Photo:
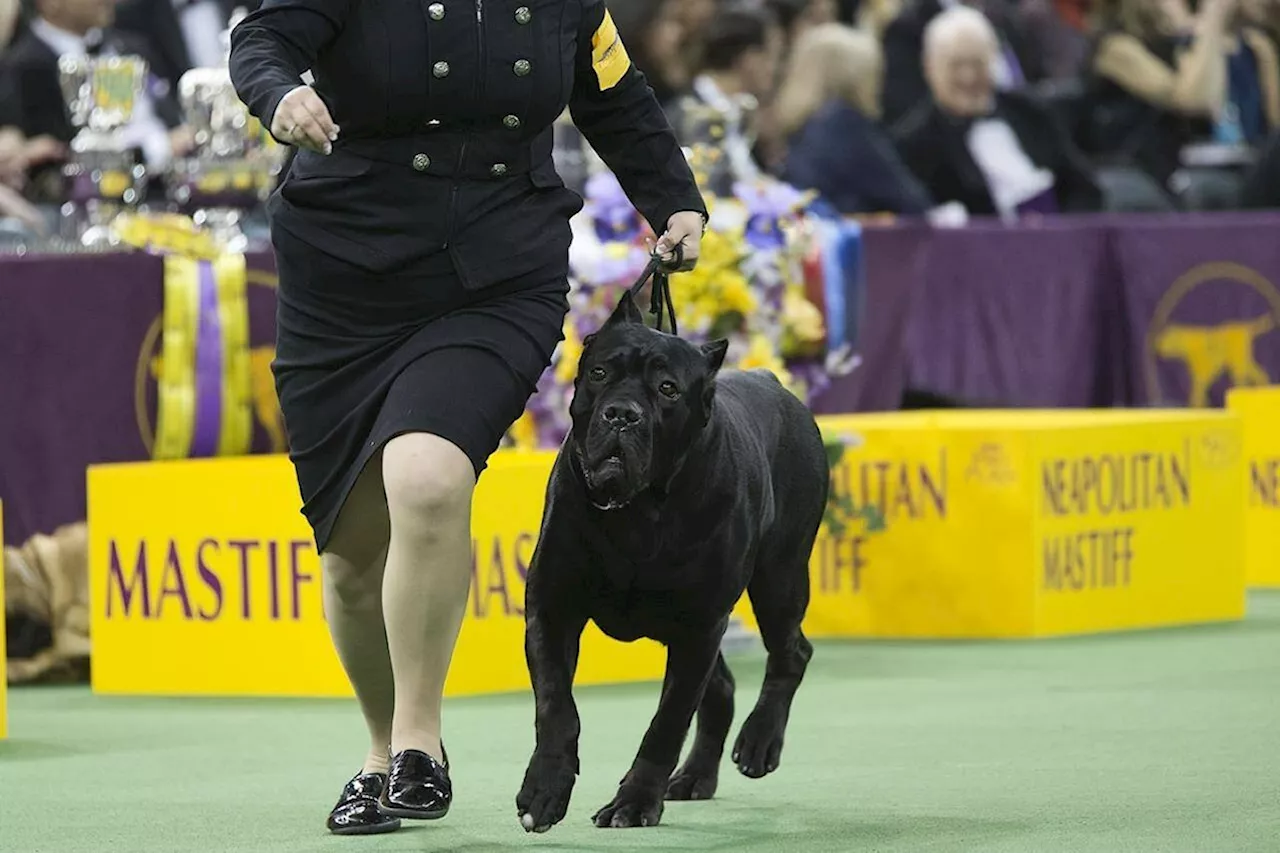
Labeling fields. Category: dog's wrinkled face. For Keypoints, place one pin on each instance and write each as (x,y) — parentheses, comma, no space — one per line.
(640,400)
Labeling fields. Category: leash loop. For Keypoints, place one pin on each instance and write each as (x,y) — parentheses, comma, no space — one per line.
(660,294)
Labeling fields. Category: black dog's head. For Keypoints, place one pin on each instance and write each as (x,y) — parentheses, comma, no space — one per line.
(640,401)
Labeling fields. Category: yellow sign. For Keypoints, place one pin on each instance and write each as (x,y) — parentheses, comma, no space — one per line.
(205,581)
(1259,409)
(4,681)
(1022,524)
(609,56)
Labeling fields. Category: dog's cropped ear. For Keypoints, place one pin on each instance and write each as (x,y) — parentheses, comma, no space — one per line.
(714,352)
(627,311)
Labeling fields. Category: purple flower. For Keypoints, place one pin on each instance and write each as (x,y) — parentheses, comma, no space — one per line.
(612,214)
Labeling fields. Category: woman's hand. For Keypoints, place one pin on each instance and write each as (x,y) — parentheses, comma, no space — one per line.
(684,229)
(302,119)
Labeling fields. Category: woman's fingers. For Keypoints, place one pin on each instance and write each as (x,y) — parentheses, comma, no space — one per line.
(302,119)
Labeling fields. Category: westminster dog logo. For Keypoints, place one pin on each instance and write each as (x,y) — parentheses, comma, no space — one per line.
(1211,352)
(1217,327)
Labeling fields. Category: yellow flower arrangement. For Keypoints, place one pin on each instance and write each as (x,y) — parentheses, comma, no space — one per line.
(715,287)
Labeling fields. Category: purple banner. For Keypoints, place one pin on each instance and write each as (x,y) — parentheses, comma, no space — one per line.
(1024,317)
(79,348)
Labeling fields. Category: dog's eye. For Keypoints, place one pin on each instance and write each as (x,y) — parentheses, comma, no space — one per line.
(669,389)
(597,373)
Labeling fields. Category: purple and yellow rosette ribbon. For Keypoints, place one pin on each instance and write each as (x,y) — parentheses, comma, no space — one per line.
(205,405)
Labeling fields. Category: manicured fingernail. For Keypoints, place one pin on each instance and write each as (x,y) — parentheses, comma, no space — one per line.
(328,148)
(333,135)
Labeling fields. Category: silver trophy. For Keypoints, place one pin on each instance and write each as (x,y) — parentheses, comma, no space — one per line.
(235,163)
(102,175)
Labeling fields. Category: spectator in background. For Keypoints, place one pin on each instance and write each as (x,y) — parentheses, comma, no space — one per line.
(181,34)
(1061,44)
(1158,81)
(741,54)
(874,16)
(80,28)
(10,22)
(827,108)
(1252,107)
(1015,62)
(995,152)
(664,40)
(796,17)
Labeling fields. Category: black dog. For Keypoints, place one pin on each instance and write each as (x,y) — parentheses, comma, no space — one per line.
(675,491)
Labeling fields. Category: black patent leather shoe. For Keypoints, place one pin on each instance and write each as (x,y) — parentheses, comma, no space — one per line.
(357,810)
(418,786)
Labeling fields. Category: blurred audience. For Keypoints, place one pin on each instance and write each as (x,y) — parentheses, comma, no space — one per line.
(11,21)
(1160,79)
(796,17)
(1061,41)
(741,52)
(827,108)
(84,28)
(1014,64)
(181,34)
(995,152)
(874,16)
(664,40)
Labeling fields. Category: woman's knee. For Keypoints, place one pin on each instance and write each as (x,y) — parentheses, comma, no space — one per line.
(354,587)
(428,480)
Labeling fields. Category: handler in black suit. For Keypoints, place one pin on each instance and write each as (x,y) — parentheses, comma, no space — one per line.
(182,34)
(80,28)
(997,153)
(421,238)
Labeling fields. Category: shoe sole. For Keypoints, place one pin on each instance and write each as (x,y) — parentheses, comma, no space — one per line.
(411,814)
(372,829)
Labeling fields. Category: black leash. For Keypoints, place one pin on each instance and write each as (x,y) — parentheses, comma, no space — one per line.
(660,294)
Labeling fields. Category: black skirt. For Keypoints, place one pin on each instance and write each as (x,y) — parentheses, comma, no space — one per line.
(362,358)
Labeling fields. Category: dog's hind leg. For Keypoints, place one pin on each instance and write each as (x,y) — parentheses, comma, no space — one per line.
(698,776)
(779,598)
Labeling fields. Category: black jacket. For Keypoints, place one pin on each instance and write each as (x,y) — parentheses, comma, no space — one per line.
(934,147)
(445,110)
(157,22)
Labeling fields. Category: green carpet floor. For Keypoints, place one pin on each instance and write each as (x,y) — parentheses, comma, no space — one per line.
(1160,741)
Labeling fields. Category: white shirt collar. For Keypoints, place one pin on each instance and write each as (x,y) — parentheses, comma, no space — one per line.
(60,41)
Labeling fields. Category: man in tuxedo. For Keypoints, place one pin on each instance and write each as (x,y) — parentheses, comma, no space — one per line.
(84,28)
(998,153)
(904,84)
(181,34)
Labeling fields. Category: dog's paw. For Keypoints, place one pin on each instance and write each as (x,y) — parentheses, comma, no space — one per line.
(633,806)
(544,797)
(693,782)
(758,749)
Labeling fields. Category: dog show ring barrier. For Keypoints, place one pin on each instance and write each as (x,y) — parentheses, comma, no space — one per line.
(1259,409)
(205,581)
(975,525)
(941,525)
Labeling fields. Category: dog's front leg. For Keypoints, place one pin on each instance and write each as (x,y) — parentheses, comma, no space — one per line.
(641,793)
(551,651)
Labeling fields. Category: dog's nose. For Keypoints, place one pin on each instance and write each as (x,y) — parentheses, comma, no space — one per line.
(622,414)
